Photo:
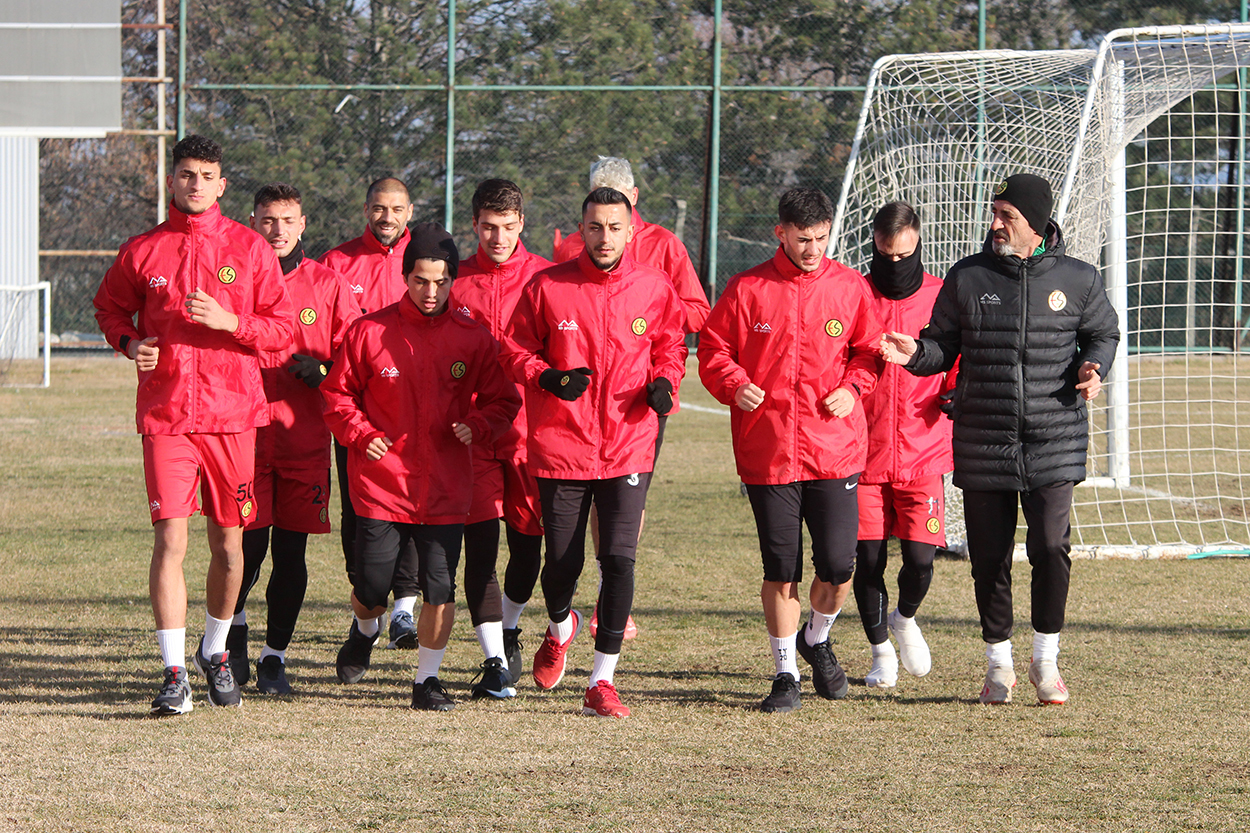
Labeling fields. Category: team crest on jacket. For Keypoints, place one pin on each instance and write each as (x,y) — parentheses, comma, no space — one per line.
(639,326)
(308,315)
(933,526)
(833,327)
(1057,300)
(457,370)
(226,274)
(324,515)
(246,509)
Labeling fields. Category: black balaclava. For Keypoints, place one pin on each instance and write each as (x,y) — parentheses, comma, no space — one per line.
(896,279)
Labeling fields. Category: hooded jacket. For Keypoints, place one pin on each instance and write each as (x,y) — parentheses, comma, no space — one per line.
(1022,328)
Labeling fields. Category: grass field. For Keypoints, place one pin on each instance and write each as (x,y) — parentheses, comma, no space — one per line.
(1157,655)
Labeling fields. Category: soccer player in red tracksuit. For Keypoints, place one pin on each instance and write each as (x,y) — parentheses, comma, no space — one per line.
(653,246)
(373,266)
(487,289)
(597,343)
(208,294)
(293,451)
(414,386)
(790,345)
(909,449)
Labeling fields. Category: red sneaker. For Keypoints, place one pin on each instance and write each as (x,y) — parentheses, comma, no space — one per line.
(549,661)
(603,701)
(631,628)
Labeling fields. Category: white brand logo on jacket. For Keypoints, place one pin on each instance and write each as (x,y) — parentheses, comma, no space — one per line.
(157,282)
(1057,300)
(763,328)
(156,505)
(390,373)
(567,324)
(357,289)
(990,298)
(463,310)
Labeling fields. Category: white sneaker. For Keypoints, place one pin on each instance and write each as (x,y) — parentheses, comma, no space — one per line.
(1044,675)
(999,681)
(912,648)
(884,673)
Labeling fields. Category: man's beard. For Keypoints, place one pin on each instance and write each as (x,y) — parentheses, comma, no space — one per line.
(1002,248)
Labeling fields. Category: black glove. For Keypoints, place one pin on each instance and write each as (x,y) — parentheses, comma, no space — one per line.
(946,402)
(660,396)
(309,369)
(566,384)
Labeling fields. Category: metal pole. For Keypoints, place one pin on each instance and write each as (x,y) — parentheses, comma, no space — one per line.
(713,191)
(451,114)
(160,112)
(981,25)
(181,127)
(1238,331)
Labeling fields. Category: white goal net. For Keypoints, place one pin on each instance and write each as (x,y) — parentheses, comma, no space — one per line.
(1144,141)
(25,333)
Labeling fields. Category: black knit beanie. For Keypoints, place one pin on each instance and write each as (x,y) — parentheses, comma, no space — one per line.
(1031,196)
(430,241)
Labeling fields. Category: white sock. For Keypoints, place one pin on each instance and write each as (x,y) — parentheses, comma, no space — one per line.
(818,627)
(428,662)
(999,653)
(367,627)
(407,604)
(215,632)
(784,654)
(885,649)
(512,613)
(1045,647)
(270,652)
(561,631)
(604,668)
(490,637)
(173,645)
(240,618)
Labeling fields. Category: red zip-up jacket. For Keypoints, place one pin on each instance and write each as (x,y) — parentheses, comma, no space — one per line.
(908,435)
(205,381)
(410,377)
(488,292)
(659,248)
(799,336)
(374,273)
(625,325)
(296,436)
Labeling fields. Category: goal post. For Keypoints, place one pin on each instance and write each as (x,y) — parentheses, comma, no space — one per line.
(1144,140)
(26,335)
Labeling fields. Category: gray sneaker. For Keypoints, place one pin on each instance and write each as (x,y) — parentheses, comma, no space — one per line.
(271,676)
(222,689)
(403,632)
(175,696)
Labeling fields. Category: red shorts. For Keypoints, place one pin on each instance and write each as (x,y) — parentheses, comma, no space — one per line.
(505,489)
(912,511)
(293,499)
(221,465)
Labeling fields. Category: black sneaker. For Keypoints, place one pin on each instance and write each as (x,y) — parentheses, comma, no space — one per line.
(496,681)
(403,632)
(175,696)
(222,689)
(271,676)
(512,652)
(236,646)
(353,658)
(430,696)
(828,678)
(784,697)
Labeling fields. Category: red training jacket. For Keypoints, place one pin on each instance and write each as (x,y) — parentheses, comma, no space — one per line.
(625,325)
(205,381)
(374,273)
(410,377)
(799,336)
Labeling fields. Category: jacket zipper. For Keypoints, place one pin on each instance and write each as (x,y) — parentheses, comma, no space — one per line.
(1024,315)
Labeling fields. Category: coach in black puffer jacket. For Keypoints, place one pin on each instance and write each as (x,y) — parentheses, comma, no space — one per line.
(1037,335)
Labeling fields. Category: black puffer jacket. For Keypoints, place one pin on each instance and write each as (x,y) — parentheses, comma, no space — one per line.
(1023,327)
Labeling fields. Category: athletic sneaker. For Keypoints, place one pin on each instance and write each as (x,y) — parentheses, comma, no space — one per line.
(1044,675)
(913,651)
(999,681)
(353,658)
(631,627)
(784,697)
(175,696)
(828,678)
(403,632)
(884,673)
(431,696)
(222,689)
(236,646)
(271,676)
(549,661)
(602,701)
(512,652)
(496,681)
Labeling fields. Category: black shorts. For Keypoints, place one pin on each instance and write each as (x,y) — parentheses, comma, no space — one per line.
(383,546)
(831,510)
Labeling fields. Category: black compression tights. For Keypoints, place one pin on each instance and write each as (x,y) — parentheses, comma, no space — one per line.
(288,580)
(871,595)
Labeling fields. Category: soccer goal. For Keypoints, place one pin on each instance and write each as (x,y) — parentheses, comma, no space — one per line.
(1144,141)
(25,356)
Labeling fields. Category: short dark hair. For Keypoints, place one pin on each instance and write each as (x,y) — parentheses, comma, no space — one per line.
(607,196)
(386,185)
(893,218)
(498,195)
(804,208)
(276,192)
(193,146)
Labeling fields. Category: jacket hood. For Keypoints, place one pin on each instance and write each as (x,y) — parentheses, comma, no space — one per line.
(1010,265)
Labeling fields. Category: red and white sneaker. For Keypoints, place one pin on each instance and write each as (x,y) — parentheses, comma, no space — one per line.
(631,628)
(603,701)
(1044,675)
(549,661)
